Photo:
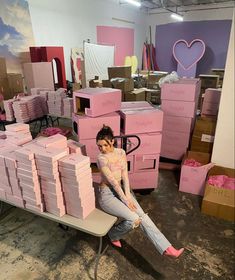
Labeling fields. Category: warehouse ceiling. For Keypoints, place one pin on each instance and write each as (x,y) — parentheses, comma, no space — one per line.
(151,5)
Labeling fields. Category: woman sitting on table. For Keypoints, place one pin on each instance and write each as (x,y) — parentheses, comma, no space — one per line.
(116,199)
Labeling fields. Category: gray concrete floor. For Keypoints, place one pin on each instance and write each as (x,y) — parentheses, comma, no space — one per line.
(35,248)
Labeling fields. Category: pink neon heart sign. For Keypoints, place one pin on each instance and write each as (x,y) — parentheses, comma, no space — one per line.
(188,54)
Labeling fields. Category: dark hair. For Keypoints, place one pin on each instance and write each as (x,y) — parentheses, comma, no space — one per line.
(105,133)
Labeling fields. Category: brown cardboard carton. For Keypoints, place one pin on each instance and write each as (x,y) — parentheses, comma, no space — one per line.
(125,85)
(106,83)
(198,145)
(204,125)
(217,201)
(119,72)
(4,88)
(209,81)
(3,68)
(76,86)
(136,95)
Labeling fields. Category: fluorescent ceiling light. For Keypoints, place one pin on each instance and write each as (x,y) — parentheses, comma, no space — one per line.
(134,2)
(177,17)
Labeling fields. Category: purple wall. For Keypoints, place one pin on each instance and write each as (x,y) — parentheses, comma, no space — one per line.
(215,34)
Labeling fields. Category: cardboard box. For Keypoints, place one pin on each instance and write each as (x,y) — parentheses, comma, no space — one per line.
(202,146)
(217,201)
(106,83)
(204,126)
(209,81)
(125,85)
(119,72)
(4,88)
(3,68)
(136,95)
(192,179)
(15,83)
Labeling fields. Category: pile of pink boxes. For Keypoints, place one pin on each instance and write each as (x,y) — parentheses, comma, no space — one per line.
(41,178)
(211,101)
(95,107)
(179,101)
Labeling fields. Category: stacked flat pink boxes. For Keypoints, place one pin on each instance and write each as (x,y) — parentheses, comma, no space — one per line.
(211,101)
(76,179)
(179,103)
(145,121)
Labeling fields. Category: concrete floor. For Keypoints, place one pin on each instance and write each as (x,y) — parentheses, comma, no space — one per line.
(33,248)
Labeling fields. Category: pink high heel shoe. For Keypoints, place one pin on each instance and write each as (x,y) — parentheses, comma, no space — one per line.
(117,243)
(172,252)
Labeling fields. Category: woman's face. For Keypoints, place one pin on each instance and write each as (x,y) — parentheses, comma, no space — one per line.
(105,146)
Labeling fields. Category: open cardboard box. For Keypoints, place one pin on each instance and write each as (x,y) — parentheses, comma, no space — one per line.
(217,201)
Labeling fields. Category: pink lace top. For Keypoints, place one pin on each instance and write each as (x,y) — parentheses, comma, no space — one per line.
(113,168)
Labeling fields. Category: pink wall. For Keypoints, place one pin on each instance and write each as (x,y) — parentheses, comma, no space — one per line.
(120,37)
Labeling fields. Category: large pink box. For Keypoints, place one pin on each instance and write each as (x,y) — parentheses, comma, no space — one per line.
(91,148)
(180,124)
(95,102)
(141,121)
(175,138)
(143,163)
(212,95)
(209,108)
(150,143)
(181,90)
(192,179)
(130,105)
(179,108)
(144,180)
(87,128)
(172,151)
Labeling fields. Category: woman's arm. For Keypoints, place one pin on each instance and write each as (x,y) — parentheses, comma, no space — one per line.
(125,177)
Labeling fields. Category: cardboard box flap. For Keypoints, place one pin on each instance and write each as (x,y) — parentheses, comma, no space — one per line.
(219,195)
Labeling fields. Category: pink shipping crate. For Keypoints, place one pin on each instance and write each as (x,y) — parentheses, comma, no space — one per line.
(209,108)
(182,90)
(212,95)
(179,108)
(141,121)
(130,105)
(144,163)
(179,124)
(173,152)
(175,138)
(144,180)
(87,128)
(95,102)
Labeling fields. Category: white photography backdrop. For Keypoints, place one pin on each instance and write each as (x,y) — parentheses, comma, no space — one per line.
(97,59)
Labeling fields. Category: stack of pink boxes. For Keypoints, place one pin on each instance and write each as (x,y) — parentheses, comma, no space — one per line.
(179,102)
(76,179)
(211,101)
(95,107)
(144,121)
(8,107)
(18,133)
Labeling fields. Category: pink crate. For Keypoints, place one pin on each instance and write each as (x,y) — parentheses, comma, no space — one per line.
(182,90)
(95,102)
(175,138)
(179,108)
(173,152)
(130,105)
(209,108)
(143,163)
(141,121)
(144,180)
(87,128)
(179,124)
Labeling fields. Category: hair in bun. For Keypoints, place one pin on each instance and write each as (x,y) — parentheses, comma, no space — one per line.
(105,133)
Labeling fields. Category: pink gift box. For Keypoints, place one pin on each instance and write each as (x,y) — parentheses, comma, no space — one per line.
(42,164)
(143,163)
(74,161)
(92,150)
(17,127)
(76,177)
(74,172)
(2,193)
(35,208)
(59,141)
(172,151)
(82,213)
(181,90)
(18,201)
(87,128)
(76,184)
(192,179)
(71,191)
(130,105)
(56,211)
(141,121)
(179,124)
(209,108)
(149,143)
(144,180)
(179,108)
(95,102)
(212,95)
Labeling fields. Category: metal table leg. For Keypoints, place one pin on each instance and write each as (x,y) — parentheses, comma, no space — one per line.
(99,254)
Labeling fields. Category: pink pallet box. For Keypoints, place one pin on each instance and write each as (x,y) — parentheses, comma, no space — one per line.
(209,108)
(178,139)
(141,121)
(130,105)
(182,90)
(172,151)
(179,124)
(143,163)
(212,95)
(95,102)
(87,128)
(144,180)
(192,179)
(150,143)
(179,108)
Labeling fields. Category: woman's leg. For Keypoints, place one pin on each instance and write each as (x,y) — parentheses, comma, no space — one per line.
(111,204)
(151,230)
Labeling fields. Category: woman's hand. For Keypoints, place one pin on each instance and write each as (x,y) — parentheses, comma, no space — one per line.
(130,204)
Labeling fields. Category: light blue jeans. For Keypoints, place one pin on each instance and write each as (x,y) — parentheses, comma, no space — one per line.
(110,203)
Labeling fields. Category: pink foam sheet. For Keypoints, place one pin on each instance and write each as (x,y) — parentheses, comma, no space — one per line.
(120,37)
